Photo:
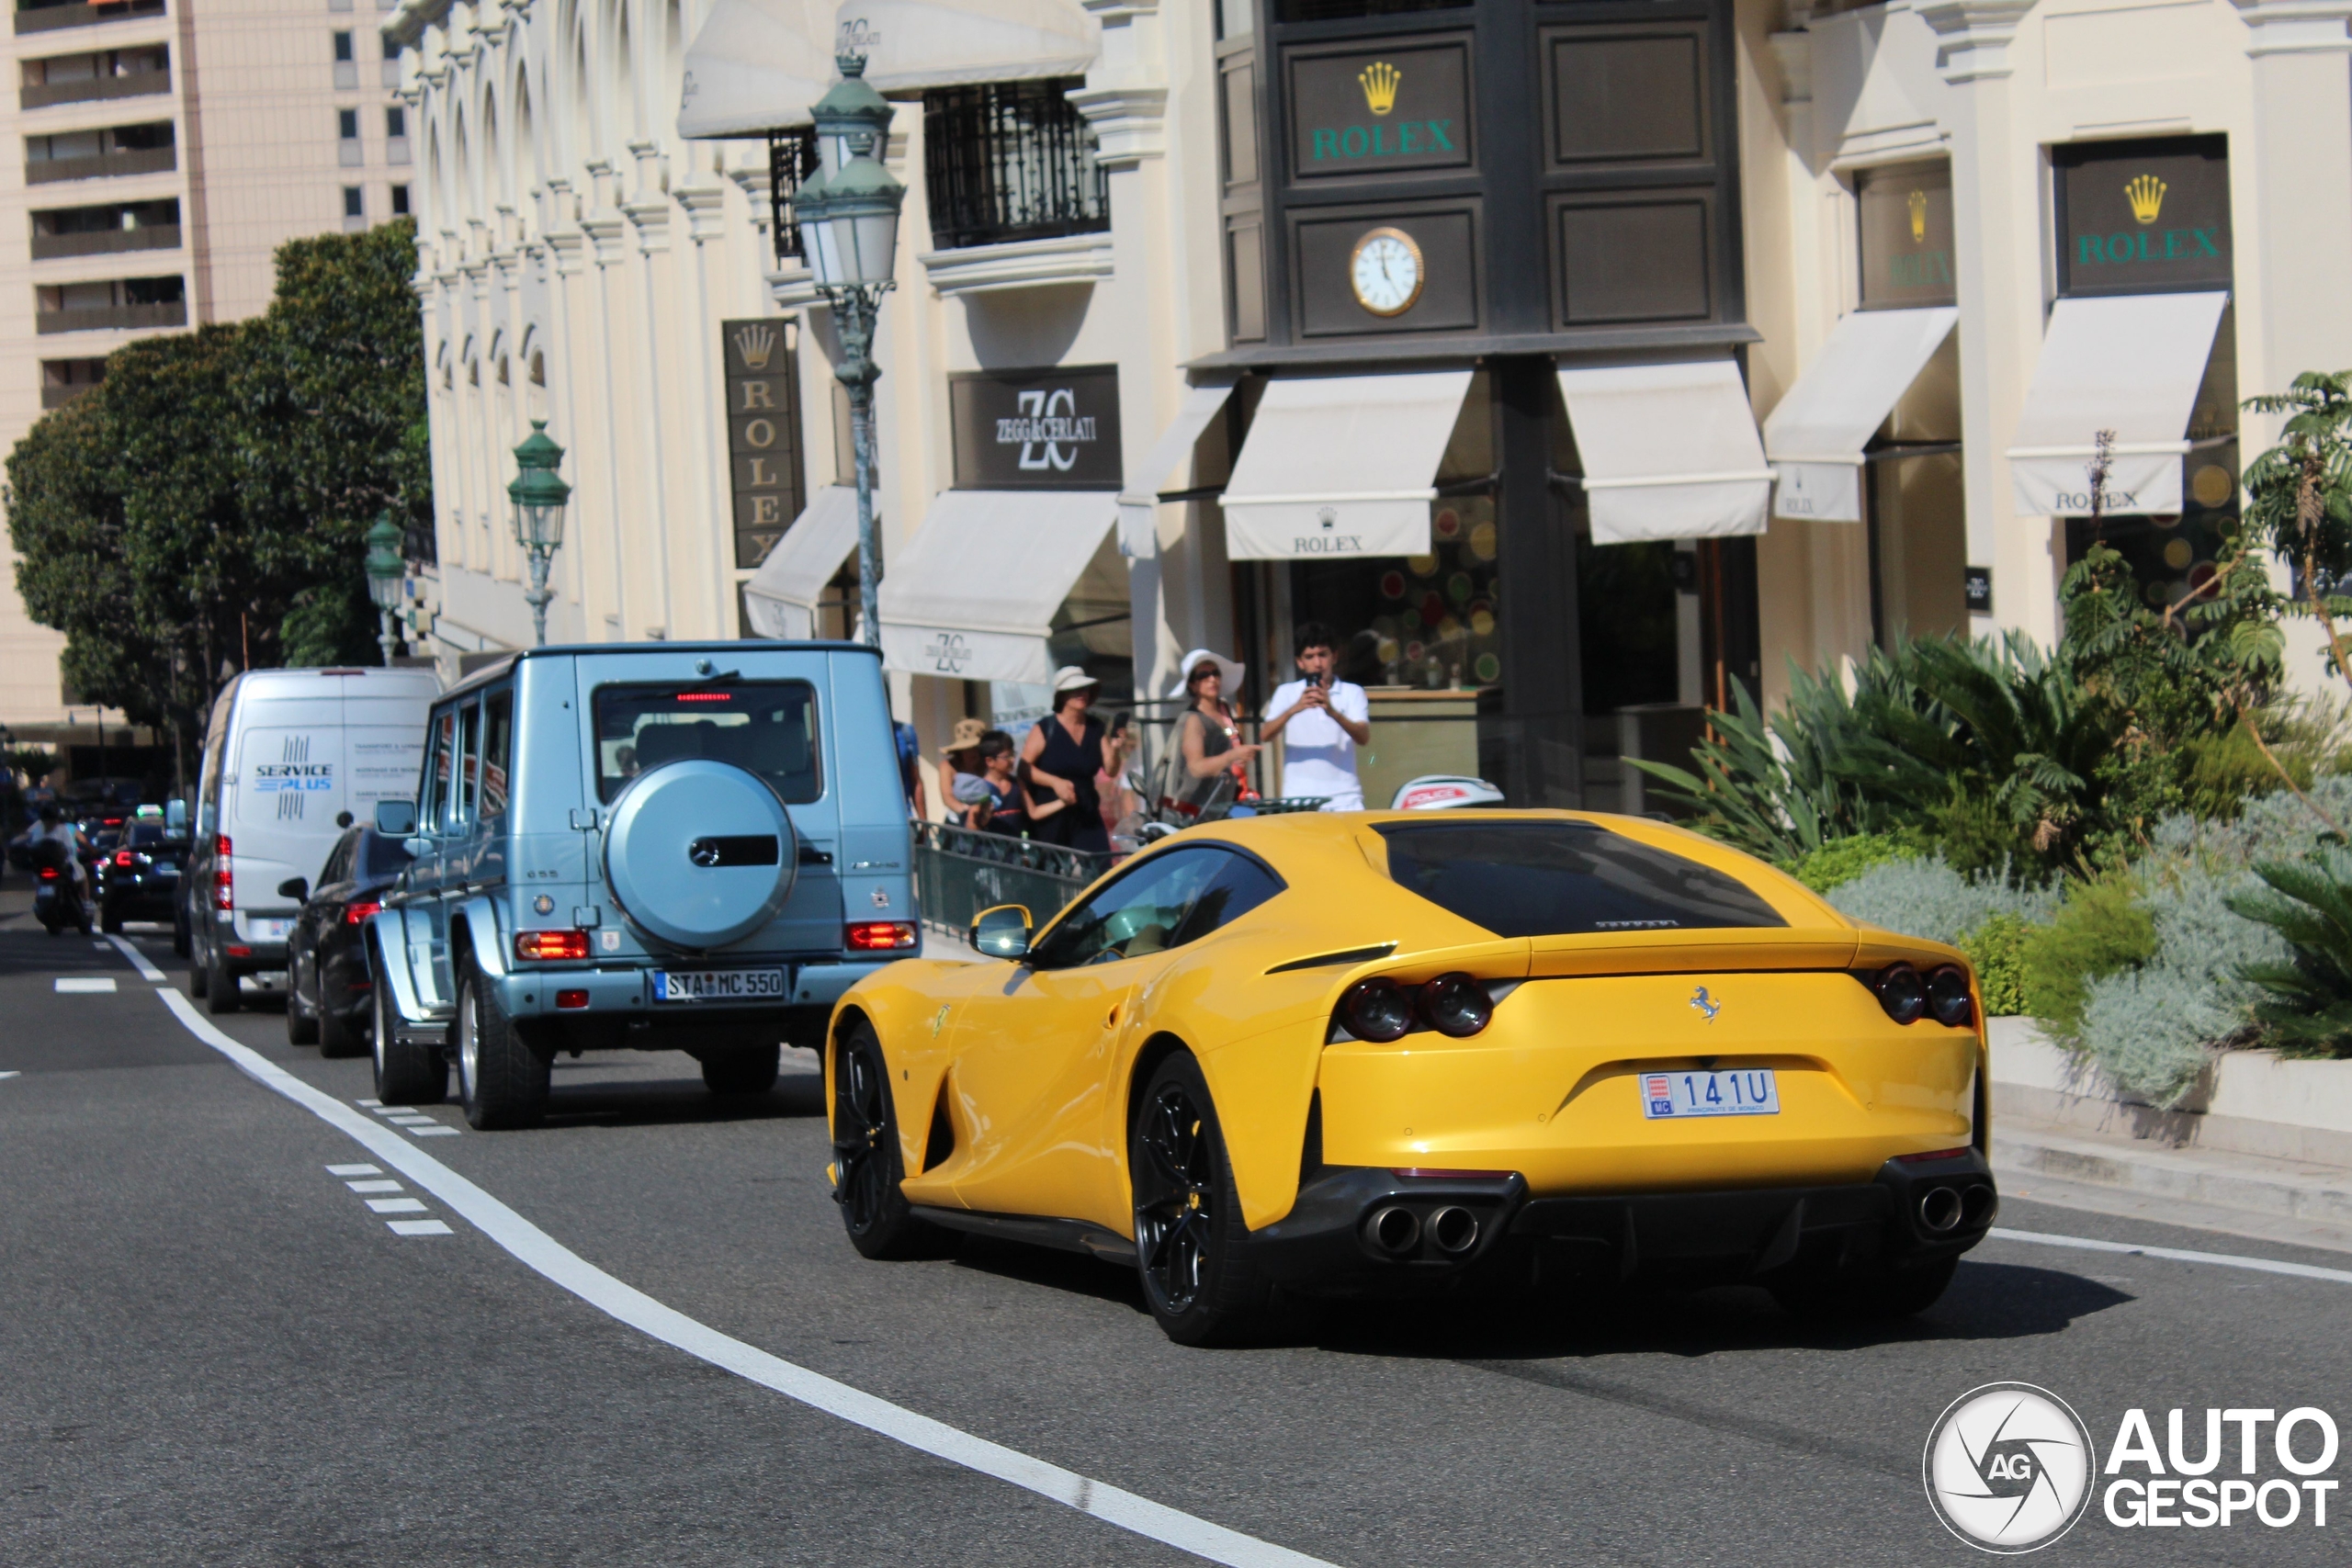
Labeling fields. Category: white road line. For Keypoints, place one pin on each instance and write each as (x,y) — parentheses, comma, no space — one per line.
(9,1075)
(387,1185)
(139,961)
(435,1131)
(542,1253)
(395,1206)
(2225,1260)
(355,1170)
(420,1227)
(84,985)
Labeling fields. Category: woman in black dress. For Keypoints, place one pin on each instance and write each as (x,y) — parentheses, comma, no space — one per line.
(1061,754)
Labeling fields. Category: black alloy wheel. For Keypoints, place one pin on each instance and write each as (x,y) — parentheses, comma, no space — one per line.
(302,1022)
(407,1072)
(867,1167)
(1191,1249)
(339,1034)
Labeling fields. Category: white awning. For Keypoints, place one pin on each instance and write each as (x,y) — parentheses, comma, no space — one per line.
(1815,435)
(1669,451)
(973,594)
(916,44)
(1341,466)
(2131,365)
(782,596)
(1139,502)
(756,65)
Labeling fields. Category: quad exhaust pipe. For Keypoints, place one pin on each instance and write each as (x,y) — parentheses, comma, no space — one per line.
(1395,1230)
(1455,1229)
(1400,1232)
(1940,1209)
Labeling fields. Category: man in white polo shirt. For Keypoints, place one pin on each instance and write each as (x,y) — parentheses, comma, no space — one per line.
(1323,721)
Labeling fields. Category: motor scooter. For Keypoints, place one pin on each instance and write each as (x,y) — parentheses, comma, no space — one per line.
(56,902)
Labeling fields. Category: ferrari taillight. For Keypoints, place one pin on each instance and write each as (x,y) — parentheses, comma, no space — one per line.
(1900,992)
(224,876)
(1380,1010)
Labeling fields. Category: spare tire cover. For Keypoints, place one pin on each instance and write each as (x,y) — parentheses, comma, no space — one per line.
(699,853)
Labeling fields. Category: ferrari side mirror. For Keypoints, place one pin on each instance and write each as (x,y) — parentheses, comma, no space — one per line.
(1002,932)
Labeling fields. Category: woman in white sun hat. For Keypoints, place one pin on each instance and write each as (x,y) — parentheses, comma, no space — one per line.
(1208,736)
(1062,753)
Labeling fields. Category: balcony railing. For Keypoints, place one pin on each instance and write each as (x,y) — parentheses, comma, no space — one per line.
(1009,161)
(107,241)
(102,165)
(48,19)
(57,396)
(93,89)
(791,158)
(121,318)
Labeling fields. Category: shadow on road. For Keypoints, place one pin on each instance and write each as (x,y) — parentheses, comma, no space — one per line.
(645,1103)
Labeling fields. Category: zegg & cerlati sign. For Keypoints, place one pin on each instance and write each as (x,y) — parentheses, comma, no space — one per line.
(1050,429)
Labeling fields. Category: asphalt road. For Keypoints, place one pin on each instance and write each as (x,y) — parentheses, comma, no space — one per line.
(213,1351)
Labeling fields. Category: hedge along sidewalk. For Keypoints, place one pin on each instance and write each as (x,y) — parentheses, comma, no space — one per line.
(2260,1147)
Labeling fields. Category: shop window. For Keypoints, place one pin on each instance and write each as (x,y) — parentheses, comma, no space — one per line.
(1905,223)
(1009,161)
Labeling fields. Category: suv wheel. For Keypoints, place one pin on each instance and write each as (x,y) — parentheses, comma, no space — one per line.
(742,1072)
(407,1072)
(504,1082)
(338,1035)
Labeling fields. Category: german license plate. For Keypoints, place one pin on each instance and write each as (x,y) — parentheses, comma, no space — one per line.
(719,986)
(1677,1096)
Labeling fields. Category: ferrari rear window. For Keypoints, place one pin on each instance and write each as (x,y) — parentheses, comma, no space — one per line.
(1564,879)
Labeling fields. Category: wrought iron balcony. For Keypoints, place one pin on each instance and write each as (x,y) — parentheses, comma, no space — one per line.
(1009,161)
(791,158)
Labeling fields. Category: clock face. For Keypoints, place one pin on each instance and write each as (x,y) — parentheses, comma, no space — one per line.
(1385,272)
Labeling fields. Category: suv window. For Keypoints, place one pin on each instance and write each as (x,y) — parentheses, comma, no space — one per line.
(497,750)
(432,810)
(768,727)
(461,813)
(1165,902)
(1564,879)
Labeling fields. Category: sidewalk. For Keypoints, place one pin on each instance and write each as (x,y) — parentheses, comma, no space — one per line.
(2292,1201)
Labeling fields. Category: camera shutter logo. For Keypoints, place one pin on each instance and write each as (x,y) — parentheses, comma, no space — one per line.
(2009,1468)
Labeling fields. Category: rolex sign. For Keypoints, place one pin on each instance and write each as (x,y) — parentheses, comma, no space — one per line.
(1050,429)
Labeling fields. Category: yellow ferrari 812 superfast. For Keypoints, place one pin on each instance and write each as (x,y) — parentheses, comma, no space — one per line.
(1380,1053)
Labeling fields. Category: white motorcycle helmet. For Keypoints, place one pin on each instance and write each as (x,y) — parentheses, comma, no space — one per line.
(1444,792)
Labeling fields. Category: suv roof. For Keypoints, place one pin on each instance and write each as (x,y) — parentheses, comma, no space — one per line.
(490,672)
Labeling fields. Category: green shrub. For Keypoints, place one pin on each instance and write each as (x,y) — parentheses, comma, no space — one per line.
(1841,860)
(1928,899)
(2305,1008)
(2102,929)
(1998,950)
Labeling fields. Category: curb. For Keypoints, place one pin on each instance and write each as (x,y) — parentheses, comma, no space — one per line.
(2288,1200)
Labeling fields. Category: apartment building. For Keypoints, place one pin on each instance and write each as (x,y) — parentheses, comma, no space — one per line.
(153,155)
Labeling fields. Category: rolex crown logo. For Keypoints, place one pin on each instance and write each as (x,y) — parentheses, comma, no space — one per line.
(755,344)
(2146,195)
(1380,80)
(1918,202)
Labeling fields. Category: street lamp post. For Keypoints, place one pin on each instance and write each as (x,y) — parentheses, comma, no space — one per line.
(385,571)
(849,224)
(539,495)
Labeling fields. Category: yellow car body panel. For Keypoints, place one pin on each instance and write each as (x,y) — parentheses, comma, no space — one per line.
(1037,1066)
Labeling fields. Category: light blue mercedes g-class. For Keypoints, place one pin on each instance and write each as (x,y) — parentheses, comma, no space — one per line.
(657,847)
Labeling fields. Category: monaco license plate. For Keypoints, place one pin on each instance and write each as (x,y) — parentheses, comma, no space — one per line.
(717,985)
(1742,1091)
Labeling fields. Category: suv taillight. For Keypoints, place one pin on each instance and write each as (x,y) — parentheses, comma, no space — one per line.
(224,877)
(541,945)
(881,936)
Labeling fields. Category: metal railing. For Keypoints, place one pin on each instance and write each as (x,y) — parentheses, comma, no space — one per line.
(93,89)
(124,317)
(959,872)
(102,165)
(48,19)
(106,241)
(1009,161)
(791,158)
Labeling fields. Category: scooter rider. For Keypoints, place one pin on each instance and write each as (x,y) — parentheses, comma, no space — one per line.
(54,829)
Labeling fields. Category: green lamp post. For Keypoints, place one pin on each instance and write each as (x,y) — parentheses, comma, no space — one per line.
(539,495)
(849,226)
(386,574)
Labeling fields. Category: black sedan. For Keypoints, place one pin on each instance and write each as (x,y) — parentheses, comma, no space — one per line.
(327,987)
(138,871)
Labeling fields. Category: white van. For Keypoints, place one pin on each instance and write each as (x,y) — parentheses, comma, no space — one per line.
(288,752)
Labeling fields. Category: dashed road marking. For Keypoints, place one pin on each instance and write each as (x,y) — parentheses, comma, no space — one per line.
(10,1075)
(395,1206)
(540,1252)
(387,1185)
(139,961)
(84,985)
(435,1131)
(371,1104)
(420,1227)
(355,1170)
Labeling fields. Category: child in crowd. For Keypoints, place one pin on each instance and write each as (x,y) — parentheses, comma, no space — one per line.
(1009,810)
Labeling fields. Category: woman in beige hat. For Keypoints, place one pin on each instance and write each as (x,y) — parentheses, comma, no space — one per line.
(1208,735)
(959,767)
(1063,753)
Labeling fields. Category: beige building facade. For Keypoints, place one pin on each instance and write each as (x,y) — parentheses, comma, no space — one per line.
(1567,363)
(159,153)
